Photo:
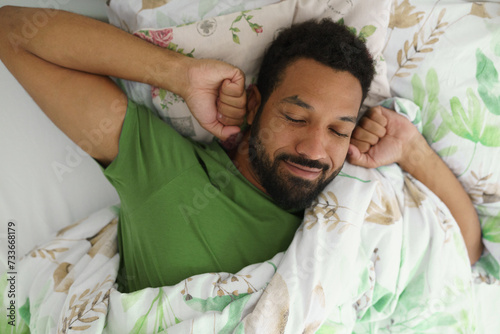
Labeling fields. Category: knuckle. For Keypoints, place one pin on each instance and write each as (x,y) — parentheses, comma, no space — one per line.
(364,147)
(371,112)
(373,140)
(232,112)
(378,109)
(240,104)
(221,108)
(364,121)
(382,132)
(356,132)
(240,113)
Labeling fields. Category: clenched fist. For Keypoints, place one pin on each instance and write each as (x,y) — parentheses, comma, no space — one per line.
(382,137)
(215,93)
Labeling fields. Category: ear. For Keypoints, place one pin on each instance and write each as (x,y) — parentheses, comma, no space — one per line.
(253,103)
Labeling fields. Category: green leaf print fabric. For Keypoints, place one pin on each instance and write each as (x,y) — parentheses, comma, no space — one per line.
(446,60)
(376,252)
(444,55)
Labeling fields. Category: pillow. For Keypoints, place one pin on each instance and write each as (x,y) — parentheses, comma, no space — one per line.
(445,56)
(241,38)
(46,181)
(132,15)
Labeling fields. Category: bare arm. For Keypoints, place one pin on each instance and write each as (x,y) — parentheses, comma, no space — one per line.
(427,167)
(384,137)
(63,60)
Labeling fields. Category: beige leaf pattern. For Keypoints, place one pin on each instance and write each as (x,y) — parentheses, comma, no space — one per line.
(445,223)
(275,313)
(319,293)
(104,242)
(485,278)
(81,315)
(152,4)
(478,9)
(324,208)
(63,281)
(223,285)
(67,228)
(386,213)
(43,252)
(413,195)
(402,16)
(412,53)
(483,192)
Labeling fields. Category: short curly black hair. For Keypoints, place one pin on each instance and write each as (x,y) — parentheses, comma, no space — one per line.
(326,42)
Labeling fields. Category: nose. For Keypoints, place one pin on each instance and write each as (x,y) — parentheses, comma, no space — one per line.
(313,145)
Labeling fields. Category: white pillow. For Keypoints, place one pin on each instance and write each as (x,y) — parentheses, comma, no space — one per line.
(46,181)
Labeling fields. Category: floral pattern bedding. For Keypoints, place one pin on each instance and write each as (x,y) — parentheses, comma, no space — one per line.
(376,252)
(445,56)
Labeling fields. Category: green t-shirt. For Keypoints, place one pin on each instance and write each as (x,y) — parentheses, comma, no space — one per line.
(186,209)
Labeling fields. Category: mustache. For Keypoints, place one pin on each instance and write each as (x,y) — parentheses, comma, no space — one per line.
(303,161)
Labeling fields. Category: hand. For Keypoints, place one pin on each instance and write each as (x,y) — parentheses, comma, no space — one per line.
(215,94)
(382,137)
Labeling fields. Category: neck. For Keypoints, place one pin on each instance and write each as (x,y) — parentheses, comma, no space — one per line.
(241,160)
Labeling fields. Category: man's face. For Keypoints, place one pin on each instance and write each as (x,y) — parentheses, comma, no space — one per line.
(300,141)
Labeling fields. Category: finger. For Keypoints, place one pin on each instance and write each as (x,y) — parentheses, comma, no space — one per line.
(235,101)
(377,115)
(361,134)
(372,126)
(228,131)
(224,120)
(362,146)
(235,85)
(232,109)
(229,112)
(355,157)
(221,131)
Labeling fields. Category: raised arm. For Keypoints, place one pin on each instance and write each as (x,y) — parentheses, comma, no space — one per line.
(63,60)
(383,137)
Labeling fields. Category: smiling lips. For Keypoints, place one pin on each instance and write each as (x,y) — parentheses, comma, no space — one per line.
(302,171)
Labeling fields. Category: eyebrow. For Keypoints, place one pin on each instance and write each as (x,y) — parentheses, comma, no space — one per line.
(348,119)
(295,99)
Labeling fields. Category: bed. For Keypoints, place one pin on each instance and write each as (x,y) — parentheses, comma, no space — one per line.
(377,252)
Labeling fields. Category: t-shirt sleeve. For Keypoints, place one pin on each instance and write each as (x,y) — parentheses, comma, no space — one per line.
(150,154)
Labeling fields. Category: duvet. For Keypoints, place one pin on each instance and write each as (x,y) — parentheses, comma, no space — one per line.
(376,252)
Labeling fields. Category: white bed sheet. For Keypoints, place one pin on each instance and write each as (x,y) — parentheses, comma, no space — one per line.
(44,181)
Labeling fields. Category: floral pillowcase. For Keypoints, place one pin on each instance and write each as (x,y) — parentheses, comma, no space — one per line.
(445,57)
(240,39)
(133,15)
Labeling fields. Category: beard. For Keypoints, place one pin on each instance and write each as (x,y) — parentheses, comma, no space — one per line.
(288,191)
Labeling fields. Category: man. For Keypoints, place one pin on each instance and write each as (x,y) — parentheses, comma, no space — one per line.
(188,208)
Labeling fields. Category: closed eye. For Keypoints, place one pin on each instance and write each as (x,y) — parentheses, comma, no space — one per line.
(293,120)
(339,134)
